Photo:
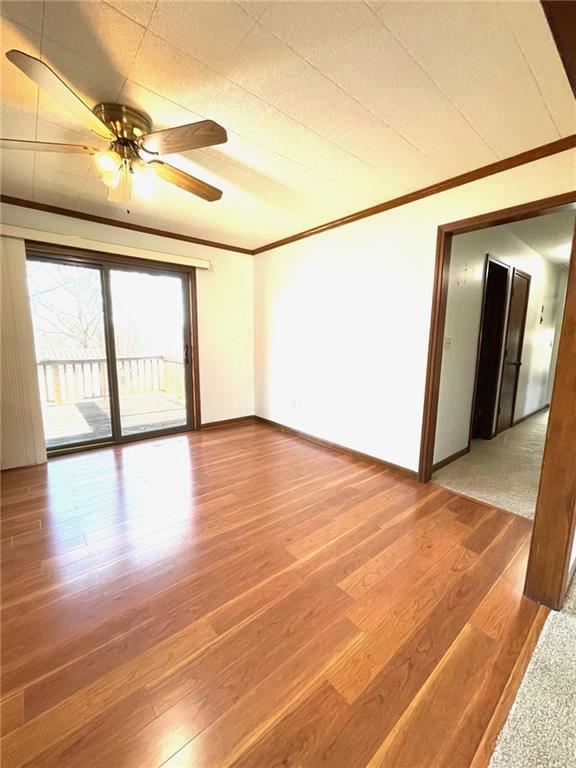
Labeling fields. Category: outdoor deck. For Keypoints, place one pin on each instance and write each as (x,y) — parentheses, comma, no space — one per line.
(76,403)
(85,420)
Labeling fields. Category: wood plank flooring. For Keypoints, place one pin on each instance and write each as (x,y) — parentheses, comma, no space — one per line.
(243,597)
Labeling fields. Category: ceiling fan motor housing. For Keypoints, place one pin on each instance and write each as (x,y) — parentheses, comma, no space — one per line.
(126,123)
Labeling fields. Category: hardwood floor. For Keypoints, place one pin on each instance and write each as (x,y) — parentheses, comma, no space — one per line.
(242,597)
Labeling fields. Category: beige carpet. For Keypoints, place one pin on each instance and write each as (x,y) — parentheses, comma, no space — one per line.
(540,731)
(504,471)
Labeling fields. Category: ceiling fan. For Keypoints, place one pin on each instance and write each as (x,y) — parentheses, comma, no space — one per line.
(133,149)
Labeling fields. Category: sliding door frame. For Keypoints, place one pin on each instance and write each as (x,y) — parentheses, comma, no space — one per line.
(105,262)
(33,255)
(111,353)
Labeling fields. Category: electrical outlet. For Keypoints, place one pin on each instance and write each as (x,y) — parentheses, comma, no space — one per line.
(447,342)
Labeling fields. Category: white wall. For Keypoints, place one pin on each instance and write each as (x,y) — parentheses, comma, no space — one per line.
(225,305)
(342,318)
(545,291)
(21,418)
(226,336)
(463,313)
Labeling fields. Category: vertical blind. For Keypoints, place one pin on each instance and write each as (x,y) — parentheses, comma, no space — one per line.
(22,442)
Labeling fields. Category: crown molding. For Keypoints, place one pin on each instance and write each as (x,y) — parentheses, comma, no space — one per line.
(529,156)
(120,224)
(553,148)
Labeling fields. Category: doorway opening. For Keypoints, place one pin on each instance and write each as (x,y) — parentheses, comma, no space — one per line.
(501,352)
(505,299)
(500,347)
(114,347)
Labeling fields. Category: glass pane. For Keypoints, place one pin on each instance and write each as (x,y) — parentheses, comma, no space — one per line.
(148,315)
(68,319)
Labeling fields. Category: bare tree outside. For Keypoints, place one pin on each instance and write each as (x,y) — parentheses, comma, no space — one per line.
(68,313)
(67,306)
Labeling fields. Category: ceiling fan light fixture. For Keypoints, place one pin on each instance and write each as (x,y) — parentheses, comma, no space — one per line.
(145,179)
(108,161)
(130,138)
(122,191)
(111,178)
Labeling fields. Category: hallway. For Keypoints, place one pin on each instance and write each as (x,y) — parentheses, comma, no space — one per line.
(504,471)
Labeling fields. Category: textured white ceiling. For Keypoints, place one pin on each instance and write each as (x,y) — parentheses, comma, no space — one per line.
(550,236)
(330,107)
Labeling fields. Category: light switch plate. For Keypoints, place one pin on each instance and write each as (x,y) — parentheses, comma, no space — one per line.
(447,342)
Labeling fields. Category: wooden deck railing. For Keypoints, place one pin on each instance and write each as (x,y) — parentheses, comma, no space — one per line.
(68,381)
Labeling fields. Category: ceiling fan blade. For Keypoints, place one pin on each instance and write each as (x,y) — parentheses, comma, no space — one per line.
(46,146)
(51,84)
(185,181)
(206,133)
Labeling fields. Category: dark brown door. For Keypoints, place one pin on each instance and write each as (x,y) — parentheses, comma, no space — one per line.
(513,349)
(490,353)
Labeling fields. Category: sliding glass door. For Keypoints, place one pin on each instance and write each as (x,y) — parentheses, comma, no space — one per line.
(113,349)
(149,338)
(69,334)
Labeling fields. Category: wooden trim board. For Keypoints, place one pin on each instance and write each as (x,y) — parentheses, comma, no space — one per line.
(434,365)
(533,413)
(339,448)
(237,422)
(450,459)
(194,350)
(32,204)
